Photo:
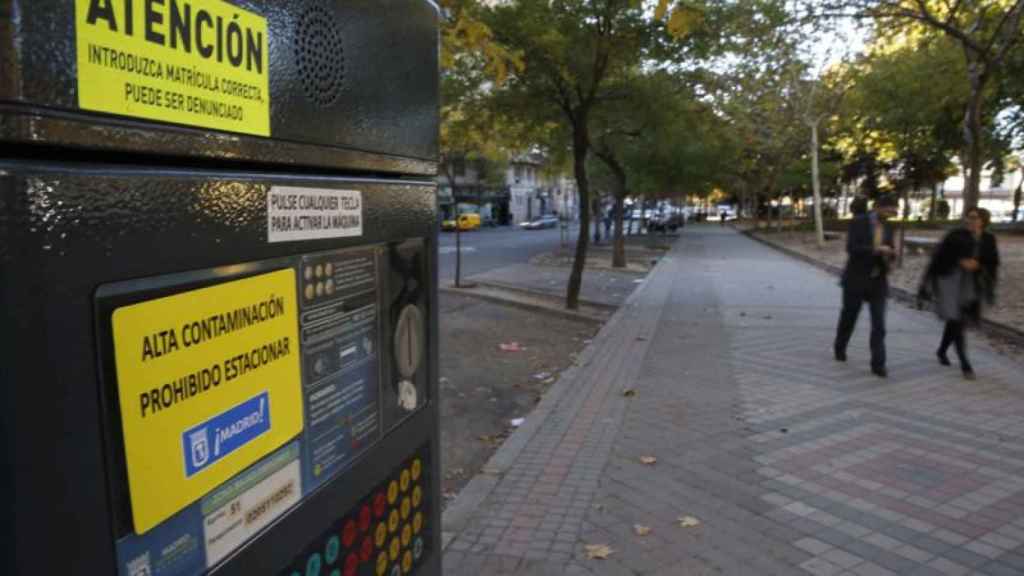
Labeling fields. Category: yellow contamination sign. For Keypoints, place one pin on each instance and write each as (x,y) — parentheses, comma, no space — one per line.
(195,62)
(208,383)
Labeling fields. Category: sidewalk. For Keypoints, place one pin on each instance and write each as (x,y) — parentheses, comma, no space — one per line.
(793,463)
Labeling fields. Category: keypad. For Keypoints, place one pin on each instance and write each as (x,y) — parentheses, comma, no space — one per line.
(385,534)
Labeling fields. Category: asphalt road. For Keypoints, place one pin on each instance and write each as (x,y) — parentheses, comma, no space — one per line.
(490,248)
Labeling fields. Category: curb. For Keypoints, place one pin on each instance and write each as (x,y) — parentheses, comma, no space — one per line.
(988,326)
(469,499)
(546,295)
(553,309)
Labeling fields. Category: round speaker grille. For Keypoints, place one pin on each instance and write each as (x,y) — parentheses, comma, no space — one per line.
(320,56)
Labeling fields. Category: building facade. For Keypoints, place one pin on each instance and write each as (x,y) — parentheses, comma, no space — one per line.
(522,192)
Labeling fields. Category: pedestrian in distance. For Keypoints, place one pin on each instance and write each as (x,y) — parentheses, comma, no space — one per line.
(722,215)
(961,278)
(870,246)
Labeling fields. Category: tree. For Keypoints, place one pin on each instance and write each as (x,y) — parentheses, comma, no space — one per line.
(571,49)
(985,32)
(765,107)
(639,133)
(912,145)
(471,62)
(824,97)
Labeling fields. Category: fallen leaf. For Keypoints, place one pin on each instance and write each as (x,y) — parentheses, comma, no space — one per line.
(629,392)
(649,460)
(688,522)
(641,530)
(598,551)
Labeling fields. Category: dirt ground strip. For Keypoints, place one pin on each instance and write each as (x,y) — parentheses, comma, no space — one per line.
(484,387)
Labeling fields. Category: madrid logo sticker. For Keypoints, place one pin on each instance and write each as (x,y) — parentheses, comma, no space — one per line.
(230,430)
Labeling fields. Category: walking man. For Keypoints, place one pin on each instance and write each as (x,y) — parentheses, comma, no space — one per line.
(870,245)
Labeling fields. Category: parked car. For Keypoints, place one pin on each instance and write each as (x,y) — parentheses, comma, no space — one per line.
(539,223)
(662,223)
(466,222)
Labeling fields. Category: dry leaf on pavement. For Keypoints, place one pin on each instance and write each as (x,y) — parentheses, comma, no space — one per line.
(688,522)
(649,460)
(641,530)
(598,551)
(629,392)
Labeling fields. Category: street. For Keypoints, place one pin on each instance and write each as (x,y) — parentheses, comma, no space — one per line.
(489,248)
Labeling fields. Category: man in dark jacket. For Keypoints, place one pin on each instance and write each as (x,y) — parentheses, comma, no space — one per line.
(870,244)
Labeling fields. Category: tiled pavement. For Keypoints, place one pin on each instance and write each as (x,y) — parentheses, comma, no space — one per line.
(793,463)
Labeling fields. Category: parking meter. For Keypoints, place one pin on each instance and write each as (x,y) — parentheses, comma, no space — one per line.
(217,246)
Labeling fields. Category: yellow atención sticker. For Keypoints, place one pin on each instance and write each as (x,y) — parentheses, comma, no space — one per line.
(195,62)
(208,383)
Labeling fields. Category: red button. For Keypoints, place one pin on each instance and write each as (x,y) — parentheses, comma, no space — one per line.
(364,518)
(351,565)
(380,505)
(348,535)
(367,549)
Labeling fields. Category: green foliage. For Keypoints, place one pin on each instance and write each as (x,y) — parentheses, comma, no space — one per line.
(880,134)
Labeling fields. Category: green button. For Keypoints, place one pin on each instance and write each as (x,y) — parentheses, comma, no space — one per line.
(331,552)
(313,565)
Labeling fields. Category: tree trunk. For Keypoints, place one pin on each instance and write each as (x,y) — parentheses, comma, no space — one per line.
(935,199)
(619,251)
(1016,196)
(458,238)
(580,146)
(819,226)
(458,250)
(619,194)
(972,136)
(903,227)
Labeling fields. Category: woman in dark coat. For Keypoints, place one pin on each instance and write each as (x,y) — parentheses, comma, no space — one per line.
(962,278)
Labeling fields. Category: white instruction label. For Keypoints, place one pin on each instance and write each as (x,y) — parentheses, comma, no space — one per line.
(295,213)
(227,527)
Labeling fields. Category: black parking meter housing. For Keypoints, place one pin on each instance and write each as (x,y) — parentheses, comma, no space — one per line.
(283,186)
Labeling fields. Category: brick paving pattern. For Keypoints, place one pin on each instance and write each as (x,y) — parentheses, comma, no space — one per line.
(793,463)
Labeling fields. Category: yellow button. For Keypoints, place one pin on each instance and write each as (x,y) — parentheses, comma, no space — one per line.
(406,535)
(406,508)
(407,562)
(417,496)
(417,467)
(396,547)
(382,563)
(393,521)
(417,522)
(381,535)
(404,478)
(392,492)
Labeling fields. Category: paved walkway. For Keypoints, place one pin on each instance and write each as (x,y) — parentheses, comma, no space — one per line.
(791,462)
